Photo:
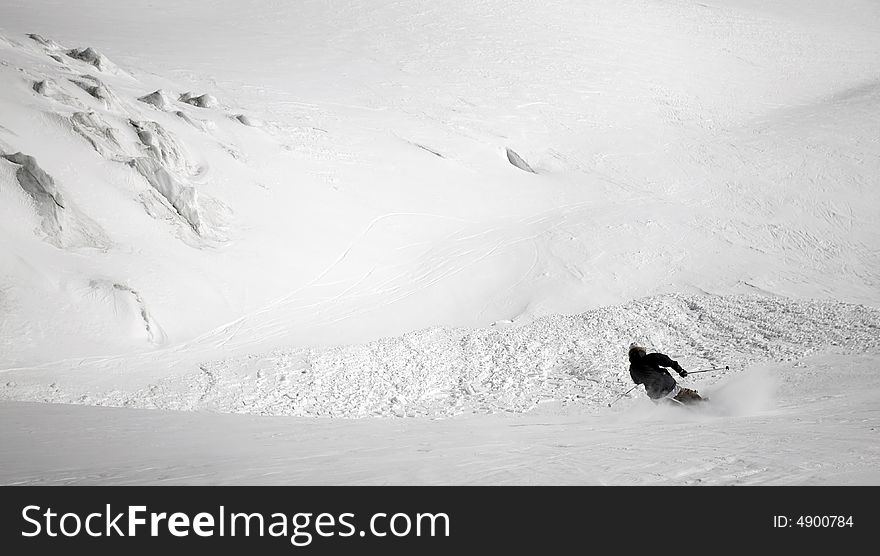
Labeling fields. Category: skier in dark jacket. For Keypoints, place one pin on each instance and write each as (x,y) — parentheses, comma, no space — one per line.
(648,369)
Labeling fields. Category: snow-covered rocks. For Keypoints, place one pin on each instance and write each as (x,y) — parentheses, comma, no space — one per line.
(59,222)
(166,168)
(47,43)
(45,87)
(101,135)
(68,94)
(90,56)
(202,101)
(194,123)
(249,120)
(99,110)
(129,307)
(36,182)
(98,90)
(518,161)
(182,197)
(162,145)
(157,99)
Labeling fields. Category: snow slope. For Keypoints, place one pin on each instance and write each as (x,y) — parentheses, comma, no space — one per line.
(375,209)
(809,422)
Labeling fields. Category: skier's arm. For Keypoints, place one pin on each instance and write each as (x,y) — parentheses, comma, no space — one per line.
(665,361)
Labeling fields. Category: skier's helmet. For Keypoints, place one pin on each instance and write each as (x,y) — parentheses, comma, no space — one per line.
(636,351)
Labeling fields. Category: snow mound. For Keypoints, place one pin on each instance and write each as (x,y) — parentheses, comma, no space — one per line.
(157,99)
(518,161)
(202,101)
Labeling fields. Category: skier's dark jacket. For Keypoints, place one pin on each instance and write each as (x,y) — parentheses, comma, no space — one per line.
(648,369)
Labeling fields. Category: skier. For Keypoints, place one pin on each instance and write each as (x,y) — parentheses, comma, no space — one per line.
(648,369)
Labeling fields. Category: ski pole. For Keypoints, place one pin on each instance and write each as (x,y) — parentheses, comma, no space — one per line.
(726,368)
(624,394)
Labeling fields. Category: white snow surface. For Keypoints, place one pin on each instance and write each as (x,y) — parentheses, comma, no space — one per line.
(402,235)
(812,422)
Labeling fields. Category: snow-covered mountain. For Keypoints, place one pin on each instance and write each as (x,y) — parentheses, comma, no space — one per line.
(357,209)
